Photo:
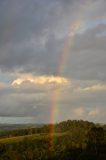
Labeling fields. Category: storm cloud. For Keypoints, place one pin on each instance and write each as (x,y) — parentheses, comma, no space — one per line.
(33,35)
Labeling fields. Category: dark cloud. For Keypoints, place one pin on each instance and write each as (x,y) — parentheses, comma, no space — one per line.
(87,58)
(33,34)
(23,27)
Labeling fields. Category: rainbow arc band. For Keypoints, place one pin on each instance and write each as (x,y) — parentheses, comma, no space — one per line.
(74,28)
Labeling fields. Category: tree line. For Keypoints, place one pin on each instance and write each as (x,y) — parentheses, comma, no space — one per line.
(73,140)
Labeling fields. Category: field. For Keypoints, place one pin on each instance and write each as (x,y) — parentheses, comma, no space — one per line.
(29,138)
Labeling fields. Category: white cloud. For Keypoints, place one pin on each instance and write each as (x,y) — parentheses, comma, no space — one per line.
(40,80)
(92,88)
(94,112)
(79,111)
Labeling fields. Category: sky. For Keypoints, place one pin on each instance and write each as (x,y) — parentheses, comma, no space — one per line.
(52,60)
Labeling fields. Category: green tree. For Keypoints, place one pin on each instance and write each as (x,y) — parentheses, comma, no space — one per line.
(95,138)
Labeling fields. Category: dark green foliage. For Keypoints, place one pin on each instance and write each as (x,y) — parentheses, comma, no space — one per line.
(73,140)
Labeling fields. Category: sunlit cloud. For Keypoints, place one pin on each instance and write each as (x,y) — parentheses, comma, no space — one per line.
(40,80)
(93,88)
(94,112)
(79,111)
(83,112)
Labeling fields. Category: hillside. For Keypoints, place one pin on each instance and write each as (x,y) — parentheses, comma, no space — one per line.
(72,140)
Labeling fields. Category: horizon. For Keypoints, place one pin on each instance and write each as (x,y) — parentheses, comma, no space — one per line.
(47,123)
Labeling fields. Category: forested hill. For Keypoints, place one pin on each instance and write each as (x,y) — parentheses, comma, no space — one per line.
(72,140)
(64,126)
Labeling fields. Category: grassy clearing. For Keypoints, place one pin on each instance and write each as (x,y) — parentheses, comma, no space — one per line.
(29,137)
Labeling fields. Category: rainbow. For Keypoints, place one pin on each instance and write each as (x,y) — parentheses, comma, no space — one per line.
(74,28)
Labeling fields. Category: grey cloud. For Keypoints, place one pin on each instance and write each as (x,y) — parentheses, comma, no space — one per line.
(38,104)
(22,105)
(32,38)
(25,21)
(87,57)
